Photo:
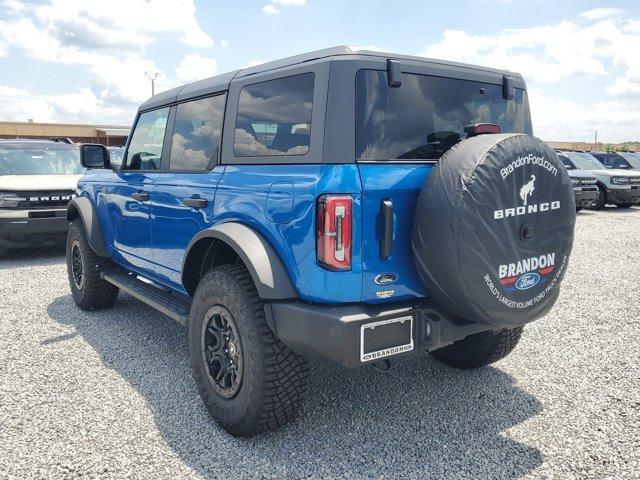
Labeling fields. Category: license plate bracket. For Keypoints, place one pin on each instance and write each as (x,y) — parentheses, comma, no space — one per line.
(385,338)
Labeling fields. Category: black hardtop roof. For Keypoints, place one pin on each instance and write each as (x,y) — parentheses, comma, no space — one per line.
(221,82)
(35,143)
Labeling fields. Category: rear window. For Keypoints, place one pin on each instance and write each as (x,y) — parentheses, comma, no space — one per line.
(426,116)
(274,117)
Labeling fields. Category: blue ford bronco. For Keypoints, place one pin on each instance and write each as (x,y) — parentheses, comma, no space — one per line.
(341,205)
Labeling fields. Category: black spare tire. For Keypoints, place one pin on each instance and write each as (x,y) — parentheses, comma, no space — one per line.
(493,229)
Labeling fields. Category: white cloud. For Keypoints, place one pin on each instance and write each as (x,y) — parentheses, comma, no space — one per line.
(600,59)
(97,24)
(110,47)
(624,88)
(253,63)
(81,105)
(559,119)
(549,53)
(600,13)
(196,67)
(13,6)
(224,43)
(270,10)
(289,3)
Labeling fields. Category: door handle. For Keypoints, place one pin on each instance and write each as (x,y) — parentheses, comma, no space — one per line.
(195,202)
(140,196)
(386,212)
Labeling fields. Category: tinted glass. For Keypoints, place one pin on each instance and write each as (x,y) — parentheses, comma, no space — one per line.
(567,163)
(196,134)
(40,161)
(426,116)
(145,148)
(633,159)
(612,160)
(274,117)
(115,155)
(584,161)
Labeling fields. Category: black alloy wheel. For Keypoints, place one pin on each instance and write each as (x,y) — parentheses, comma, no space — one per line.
(222,351)
(77,270)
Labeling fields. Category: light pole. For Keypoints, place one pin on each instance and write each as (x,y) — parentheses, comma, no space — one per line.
(595,139)
(152,76)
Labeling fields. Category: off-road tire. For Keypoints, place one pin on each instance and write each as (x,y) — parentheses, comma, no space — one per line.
(579,209)
(274,378)
(93,293)
(623,205)
(480,349)
(601,199)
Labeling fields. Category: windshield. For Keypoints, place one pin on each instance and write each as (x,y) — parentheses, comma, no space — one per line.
(39,161)
(584,161)
(426,116)
(612,160)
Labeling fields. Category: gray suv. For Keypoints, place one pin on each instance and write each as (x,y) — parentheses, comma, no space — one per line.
(37,180)
(615,186)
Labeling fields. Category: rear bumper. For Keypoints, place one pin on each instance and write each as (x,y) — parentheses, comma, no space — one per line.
(337,334)
(619,195)
(585,196)
(29,228)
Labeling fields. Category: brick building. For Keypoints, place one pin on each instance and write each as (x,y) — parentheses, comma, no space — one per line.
(110,135)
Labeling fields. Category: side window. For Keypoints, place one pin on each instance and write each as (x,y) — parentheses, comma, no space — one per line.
(274,117)
(567,163)
(145,148)
(196,134)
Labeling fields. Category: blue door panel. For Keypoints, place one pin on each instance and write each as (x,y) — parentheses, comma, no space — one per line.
(174,224)
(129,220)
(400,183)
(279,202)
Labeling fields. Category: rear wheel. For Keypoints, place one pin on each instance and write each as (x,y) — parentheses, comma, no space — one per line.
(248,379)
(601,200)
(480,349)
(623,205)
(89,291)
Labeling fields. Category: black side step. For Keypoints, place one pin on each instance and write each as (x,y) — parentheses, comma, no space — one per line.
(167,303)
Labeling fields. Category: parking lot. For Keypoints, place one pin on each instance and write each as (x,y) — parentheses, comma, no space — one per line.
(110,393)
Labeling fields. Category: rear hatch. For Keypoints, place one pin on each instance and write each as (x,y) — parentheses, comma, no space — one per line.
(401,132)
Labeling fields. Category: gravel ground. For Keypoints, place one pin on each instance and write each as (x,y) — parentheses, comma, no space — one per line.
(110,394)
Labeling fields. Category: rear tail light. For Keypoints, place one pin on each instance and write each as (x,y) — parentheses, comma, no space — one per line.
(334,231)
(481,129)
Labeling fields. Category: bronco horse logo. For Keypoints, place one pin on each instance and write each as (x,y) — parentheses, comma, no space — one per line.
(527,189)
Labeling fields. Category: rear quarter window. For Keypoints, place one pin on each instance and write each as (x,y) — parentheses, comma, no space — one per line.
(426,116)
(274,117)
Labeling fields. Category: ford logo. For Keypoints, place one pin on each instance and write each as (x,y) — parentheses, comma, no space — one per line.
(527,281)
(385,278)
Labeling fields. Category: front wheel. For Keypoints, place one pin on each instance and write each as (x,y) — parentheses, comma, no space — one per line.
(480,349)
(600,200)
(248,379)
(89,290)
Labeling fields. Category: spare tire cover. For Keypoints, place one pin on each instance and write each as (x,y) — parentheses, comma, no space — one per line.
(493,229)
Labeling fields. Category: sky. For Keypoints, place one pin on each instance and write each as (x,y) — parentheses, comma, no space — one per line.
(86,61)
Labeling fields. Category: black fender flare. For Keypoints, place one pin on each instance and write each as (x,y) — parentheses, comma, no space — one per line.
(82,207)
(267,270)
